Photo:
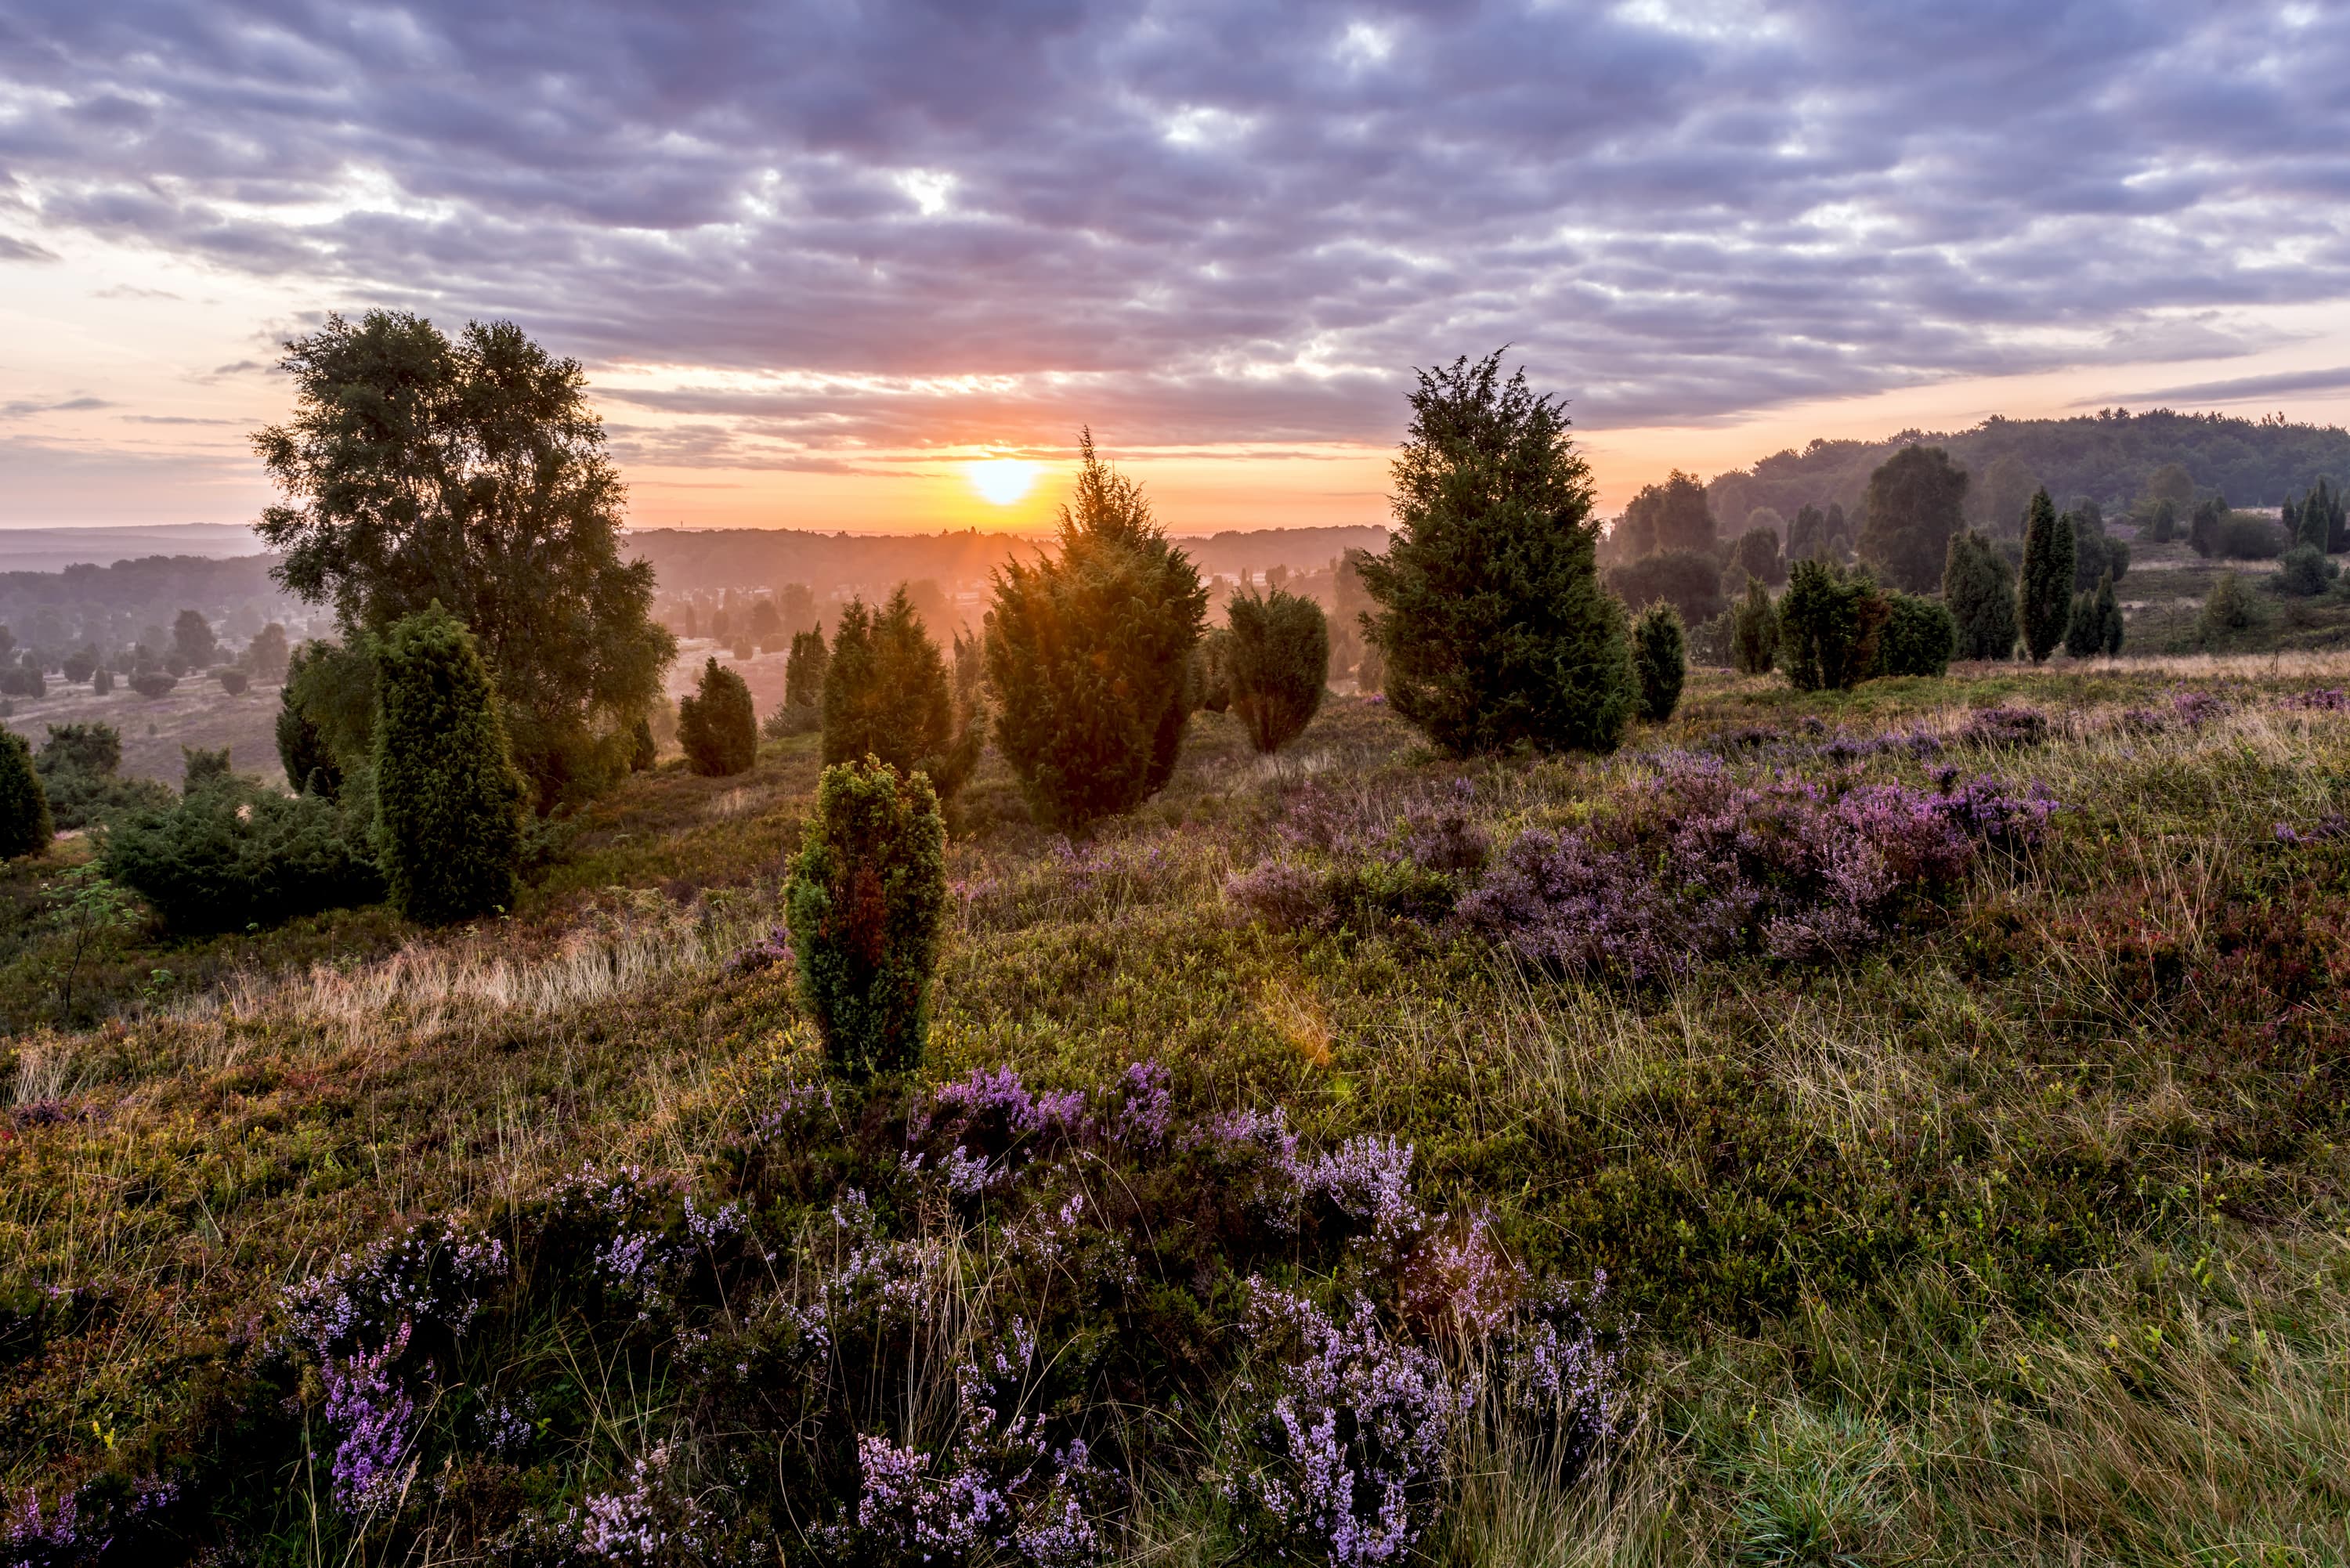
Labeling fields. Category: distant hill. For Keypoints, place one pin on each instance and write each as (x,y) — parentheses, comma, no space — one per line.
(51,549)
(2107,455)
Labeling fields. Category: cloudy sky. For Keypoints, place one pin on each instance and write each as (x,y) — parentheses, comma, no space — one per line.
(819,255)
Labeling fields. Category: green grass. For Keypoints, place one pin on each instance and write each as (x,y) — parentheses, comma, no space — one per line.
(2020,1238)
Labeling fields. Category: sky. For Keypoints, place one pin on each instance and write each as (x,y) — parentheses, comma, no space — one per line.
(822,260)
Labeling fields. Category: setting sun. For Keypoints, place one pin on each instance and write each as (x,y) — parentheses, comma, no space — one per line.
(1000,481)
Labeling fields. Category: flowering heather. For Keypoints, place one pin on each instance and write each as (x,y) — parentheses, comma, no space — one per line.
(2332,826)
(376,1417)
(772,950)
(1369,1178)
(1999,729)
(429,1275)
(2328,699)
(1705,868)
(643,1525)
(1348,1429)
(1143,1108)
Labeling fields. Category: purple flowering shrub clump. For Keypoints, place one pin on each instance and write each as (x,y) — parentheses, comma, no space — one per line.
(2327,700)
(105,1520)
(926,1318)
(1340,864)
(1701,868)
(2002,729)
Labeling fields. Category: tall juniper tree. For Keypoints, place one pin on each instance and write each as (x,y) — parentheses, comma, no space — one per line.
(2043,589)
(448,798)
(1979,586)
(1493,626)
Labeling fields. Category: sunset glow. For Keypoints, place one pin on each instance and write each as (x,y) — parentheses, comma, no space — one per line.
(1000,481)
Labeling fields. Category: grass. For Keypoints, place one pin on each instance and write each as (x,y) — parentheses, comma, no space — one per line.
(2020,1237)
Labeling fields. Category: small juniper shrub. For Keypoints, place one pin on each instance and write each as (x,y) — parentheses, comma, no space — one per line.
(2228,612)
(1659,660)
(887,695)
(448,797)
(864,905)
(1279,662)
(1829,621)
(1754,632)
(1918,637)
(25,825)
(716,725)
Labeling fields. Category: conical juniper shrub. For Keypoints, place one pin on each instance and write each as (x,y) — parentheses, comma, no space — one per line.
(2044,590)
(887,695)
(1829,621)
(25,825)
(1754,632)
(1493,629)
(864,905)
(1087,655)
(448,796)
(1660,659)
(1280,663)
(717,725)
(1979,586)
(1919,637)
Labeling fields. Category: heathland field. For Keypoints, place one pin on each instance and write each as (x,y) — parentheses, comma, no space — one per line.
(1904,1126)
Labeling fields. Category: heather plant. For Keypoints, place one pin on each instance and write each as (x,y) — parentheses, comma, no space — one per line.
(448,798)
(1829,622)
(1979,586)
(887,695)
(1088,652)
(864,905)
(1493,625)
(2044,590)
(1659,659)
(25,824)
(1919,637)
(1754,632)
(1279,660)
(716,724)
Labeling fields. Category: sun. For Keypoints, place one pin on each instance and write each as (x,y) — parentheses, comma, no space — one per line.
(1000,481)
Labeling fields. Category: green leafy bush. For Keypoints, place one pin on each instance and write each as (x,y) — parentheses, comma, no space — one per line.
(2044,590)
(1088,654)
(1689,580)
(864,905)
(887,695)
(25,824)
(2303,572)
(1493,625)
(2227,611)
(716,725)
(1661,659)
(1753,632)
(153,683)
(1829,621)
(232,855)
(1979,586)
(78,764)
(448,794)
(1919,637)
(1280,662)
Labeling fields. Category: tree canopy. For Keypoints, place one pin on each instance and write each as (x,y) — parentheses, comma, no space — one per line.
(1917,500)
(417,469)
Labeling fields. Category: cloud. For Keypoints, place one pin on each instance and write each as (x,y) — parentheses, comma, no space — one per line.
(1220,222)
(26,408)
(2240,389)
(12,249)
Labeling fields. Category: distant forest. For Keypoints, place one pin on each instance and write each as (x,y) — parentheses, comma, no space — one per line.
(2107,456)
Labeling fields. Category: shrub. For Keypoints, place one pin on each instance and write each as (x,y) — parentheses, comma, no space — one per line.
(1659,659)
(201,768)
(2303,572)
(80,665)
(2162,524)
(1493,625)
(448,794)
(1754,632)
(1979,586)
(79,766)
(235,856)
(232,682)
(153,683)
(25,825)
(2044,590)
(1280,662)
(803,676)
(1210,673)
(1829,621)
(1918,637)
(1689,580)
(2227,610)
(643,751)
(2244,536)
(886,696)
(716,726)
(864,905)
(101,682)
(1757,554)
(1088,654)
(24,680)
